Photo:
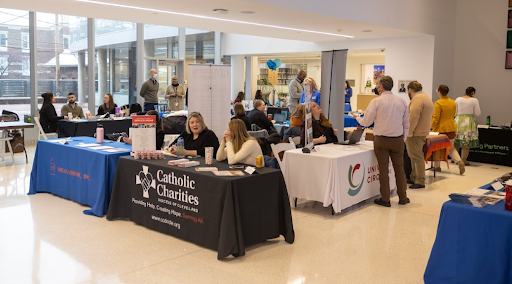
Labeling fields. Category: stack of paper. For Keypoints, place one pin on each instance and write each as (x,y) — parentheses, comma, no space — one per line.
(467,199)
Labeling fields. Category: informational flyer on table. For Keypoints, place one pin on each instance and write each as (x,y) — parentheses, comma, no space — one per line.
(309,120)
(143,133)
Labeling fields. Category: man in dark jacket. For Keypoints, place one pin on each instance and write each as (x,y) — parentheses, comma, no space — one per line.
(258,117)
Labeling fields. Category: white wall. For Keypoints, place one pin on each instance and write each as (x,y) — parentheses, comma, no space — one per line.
(480,57)
(355,64)
(406,58)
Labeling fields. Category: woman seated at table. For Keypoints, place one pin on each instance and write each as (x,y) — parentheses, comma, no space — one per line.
(297,117)
(47,115)
(159,131)
(196,137)
(323,132)
(108,105)
(238,146)
(240,114)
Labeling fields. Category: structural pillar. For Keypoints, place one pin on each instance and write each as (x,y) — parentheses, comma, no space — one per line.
(217,54)
(248,75)
(102,73)
(237,75)
(81,76)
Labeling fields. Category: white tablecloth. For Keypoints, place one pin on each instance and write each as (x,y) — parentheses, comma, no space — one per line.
(337,175)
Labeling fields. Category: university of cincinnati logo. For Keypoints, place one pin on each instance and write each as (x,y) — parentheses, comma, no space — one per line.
(355,188)
(146,180)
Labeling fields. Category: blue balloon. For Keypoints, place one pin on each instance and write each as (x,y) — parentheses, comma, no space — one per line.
(278,62)
(271,64)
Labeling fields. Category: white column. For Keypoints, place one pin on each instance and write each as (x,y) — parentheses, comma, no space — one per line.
(102,72)
(248,77)
(91,59)
(140,62)
(81,77)
(237,75)
(33,63)
(180,72)
(217,42)
(254,76)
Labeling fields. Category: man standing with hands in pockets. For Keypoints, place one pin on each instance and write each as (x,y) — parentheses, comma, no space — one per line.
(175,93)
(391,117)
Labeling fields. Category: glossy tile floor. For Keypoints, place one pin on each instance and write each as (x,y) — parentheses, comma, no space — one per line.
(47,239)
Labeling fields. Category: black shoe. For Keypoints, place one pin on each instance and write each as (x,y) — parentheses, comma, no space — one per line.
(417,186)
(382,203)
(410,181)
(404,201)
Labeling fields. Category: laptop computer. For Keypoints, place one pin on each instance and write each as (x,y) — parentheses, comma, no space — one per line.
(280,118)
(356,136)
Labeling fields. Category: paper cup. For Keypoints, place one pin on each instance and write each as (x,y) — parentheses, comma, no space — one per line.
(208,153)
(70,115)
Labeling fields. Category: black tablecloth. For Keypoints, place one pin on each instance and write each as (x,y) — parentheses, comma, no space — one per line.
(88,128)
(221,213)
(495,147)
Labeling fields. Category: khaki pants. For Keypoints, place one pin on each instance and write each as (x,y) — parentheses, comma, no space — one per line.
(415,150)
(386,147)
(454,154)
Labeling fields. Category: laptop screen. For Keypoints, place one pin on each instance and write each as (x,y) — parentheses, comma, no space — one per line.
(279,117)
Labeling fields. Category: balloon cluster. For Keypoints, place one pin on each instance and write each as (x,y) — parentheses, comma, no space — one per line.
(274,64)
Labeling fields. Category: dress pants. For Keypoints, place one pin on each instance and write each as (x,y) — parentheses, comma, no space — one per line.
(386,147)
(415,150)
(407,164)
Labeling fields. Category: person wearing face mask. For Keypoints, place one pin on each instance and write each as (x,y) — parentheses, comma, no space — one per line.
(175,93)
(149,91)
(72,107)
(323,133)
(391,117)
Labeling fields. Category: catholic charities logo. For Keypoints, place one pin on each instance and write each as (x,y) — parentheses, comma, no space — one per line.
(146,180)
(355,188)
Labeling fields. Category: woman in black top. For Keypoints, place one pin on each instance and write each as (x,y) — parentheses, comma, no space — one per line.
(108,105)
(240,114)
(323,133)
(196,137)
(160,135)
(47,115)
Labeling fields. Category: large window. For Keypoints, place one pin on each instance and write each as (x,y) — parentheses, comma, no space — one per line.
(14,81)
(116,61)
(57,67)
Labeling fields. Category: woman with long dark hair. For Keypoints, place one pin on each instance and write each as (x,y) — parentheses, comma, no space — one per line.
(108,105)
(239,98)
(47,115)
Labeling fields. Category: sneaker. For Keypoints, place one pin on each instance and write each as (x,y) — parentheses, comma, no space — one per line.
(462,168)
(382,203)
(417,186)
(404,201)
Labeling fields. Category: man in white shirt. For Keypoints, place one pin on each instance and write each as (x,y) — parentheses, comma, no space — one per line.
(391,117)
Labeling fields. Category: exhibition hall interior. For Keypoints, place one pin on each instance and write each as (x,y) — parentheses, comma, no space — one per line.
(255,141)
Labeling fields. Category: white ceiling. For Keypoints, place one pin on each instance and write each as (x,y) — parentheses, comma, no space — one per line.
(264,14)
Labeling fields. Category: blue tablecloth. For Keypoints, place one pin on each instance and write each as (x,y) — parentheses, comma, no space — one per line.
(473,245)
(80,174)
(350,121)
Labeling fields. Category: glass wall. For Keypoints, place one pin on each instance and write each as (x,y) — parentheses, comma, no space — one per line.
(14,62)
(115,61)
(59,70)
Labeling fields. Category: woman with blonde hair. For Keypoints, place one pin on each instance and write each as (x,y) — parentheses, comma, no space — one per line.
(238,146)
(323,133)
(196,137)
(315,93)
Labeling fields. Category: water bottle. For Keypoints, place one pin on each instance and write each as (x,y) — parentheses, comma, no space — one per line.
(181,148)
(488,122)
(99,133)
(25,118)
(29,119)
